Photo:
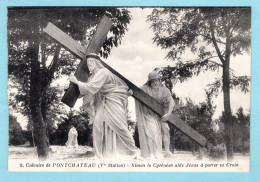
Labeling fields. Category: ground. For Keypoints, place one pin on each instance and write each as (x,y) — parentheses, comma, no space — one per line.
(56,152)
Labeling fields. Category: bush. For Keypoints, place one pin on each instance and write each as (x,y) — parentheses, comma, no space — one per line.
(217,152)
(15,132)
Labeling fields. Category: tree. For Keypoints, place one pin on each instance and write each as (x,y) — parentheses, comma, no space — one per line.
(34,60)
(80,121)
(15,131)
(215,35)
(198,116)
(242,133)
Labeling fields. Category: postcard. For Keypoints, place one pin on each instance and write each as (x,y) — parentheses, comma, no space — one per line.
(130,88)
(189,112)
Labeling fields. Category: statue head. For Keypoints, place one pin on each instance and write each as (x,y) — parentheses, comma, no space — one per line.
(154,80)
(93,61)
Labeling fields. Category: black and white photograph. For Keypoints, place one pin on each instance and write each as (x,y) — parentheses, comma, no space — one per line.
(142,89)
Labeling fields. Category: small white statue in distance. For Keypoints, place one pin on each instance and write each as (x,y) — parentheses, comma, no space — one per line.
(72,138)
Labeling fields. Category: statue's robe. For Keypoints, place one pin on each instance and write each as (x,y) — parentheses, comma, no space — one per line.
(105,99)
(72,138)
(148,122)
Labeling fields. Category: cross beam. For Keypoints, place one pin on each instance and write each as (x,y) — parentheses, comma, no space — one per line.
(76,49)
(71,95)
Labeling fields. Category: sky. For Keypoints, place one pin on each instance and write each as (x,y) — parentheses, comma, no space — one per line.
(137,56)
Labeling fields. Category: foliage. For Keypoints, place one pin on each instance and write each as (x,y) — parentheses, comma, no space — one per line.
(131,124)
(241,131)
(217,152)
(180,28)
(236,82)
(25,28)
(15,132)
(34,60)
(242,118)
(214,35)
(80,121)
(199,117)
(28,135)
(203,31)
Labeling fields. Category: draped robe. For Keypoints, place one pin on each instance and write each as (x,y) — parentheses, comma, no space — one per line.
(105,99)
(148,122)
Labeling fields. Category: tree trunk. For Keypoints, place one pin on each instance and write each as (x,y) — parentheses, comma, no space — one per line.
(226,86)
(39,126)
(200,153)
(193,148)
(172,140)
(228,124)
(172,144)
(44,114)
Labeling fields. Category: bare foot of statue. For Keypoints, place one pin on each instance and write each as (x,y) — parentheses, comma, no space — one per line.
(159,157)
(168,154)
(138,157)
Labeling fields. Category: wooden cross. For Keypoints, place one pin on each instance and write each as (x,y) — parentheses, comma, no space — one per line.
(82,73)
(79,51)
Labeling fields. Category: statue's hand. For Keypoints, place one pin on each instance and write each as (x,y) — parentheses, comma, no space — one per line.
(73,79)
(130,92)
(166,117)
(66,87)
